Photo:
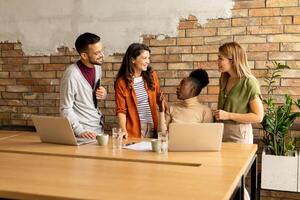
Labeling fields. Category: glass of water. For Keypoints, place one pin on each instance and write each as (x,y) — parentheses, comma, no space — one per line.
(163,140)
(117,138)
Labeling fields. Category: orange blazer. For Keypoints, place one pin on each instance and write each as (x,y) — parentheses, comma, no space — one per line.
(126,103)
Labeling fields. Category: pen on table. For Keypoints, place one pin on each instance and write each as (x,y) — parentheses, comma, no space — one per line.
(130,143)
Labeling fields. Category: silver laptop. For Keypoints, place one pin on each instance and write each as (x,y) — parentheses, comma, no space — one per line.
(195,136)
(57,130)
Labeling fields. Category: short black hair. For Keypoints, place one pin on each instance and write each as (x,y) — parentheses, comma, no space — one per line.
(83,41)
(200,79)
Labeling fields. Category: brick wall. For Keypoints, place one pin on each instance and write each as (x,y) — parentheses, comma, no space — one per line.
(268,30)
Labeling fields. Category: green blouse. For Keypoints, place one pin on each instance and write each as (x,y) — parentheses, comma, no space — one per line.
(237,99)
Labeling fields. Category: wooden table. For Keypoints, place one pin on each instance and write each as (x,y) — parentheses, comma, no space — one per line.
(94,172)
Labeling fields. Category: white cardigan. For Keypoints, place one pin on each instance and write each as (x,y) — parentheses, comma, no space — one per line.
(76,101)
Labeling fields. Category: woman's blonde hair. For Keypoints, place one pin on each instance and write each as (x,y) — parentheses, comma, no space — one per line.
(234,52)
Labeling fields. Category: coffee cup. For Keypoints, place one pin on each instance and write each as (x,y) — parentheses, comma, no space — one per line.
(155,143)
(102,139)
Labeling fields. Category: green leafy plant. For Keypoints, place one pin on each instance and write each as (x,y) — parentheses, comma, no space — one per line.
(278,118)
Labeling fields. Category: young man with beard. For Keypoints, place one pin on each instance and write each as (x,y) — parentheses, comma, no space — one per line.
(80,88)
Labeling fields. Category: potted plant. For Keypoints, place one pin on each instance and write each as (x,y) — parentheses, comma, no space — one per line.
(279,158)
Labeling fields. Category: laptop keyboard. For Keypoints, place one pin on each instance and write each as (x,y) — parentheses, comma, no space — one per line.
(84,140)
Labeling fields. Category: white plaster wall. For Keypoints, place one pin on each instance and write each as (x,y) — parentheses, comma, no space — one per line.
(42,25)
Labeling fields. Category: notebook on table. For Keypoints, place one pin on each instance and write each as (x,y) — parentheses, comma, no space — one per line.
(57,130)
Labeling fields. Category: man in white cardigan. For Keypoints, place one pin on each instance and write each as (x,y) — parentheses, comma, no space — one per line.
(80,88)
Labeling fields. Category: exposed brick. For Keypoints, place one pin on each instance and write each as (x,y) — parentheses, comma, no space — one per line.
(17,88)
(178,49)
(165,42)
(7,81)
(159,66)
(181,33)
(239,13)
(190,41)
(11,95)
(206,65)
(212,57)
(188,24)
(4,74)
(19,74)
(290,11)
(54,67)
(296,20)
(263,47)
(263,12)
(276,20)
(232,31)
(290,82)
(249,4)
(4,115)
(106,66)
(51,95)
(291,73)
(281,3)
(111,74)
(288,90)
(201,32)
(12,68)
(113,59)
(13,102)
(218,23)
(167,74)
(213,89)
(218,39)
(31,95)
(8,109)
(42,88)
(273,29)
(32,67)
(251,39)
(12,53)
(60,59)
(6,46)
(172,82)
(1,61)
(49,110)
(194,57)
(284,55)
(176,66)
(293,64)
(59,74)
(246,21)
(290,47)
(39,60)
(49,74)
(18,46)
(28,109)
(257,55)
(166,58)
(284,38)
(206,49)
(169,90)
(292,29)
(17,60)
(158,50)
(259,73)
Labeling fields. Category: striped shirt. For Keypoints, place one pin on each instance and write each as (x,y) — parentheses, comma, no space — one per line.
(142,100)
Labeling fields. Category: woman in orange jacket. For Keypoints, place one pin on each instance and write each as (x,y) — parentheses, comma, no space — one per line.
(137,93)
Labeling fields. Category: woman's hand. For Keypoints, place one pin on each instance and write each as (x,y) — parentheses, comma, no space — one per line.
(162,103)
(222,115)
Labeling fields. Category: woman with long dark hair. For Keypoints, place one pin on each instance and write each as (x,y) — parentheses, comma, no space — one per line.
(136,93)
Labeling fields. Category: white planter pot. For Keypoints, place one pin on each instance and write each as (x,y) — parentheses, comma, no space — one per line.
(280,172)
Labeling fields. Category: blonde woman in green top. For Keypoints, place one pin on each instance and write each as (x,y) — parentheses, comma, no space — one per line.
(239,102)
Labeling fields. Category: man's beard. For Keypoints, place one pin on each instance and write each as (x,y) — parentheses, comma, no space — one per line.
(95,62)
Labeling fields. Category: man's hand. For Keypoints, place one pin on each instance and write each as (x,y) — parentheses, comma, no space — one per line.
(101,93)
(88,135)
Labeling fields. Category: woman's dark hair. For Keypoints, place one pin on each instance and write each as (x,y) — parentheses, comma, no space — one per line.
(83,41)
(200,79)
(126,70)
